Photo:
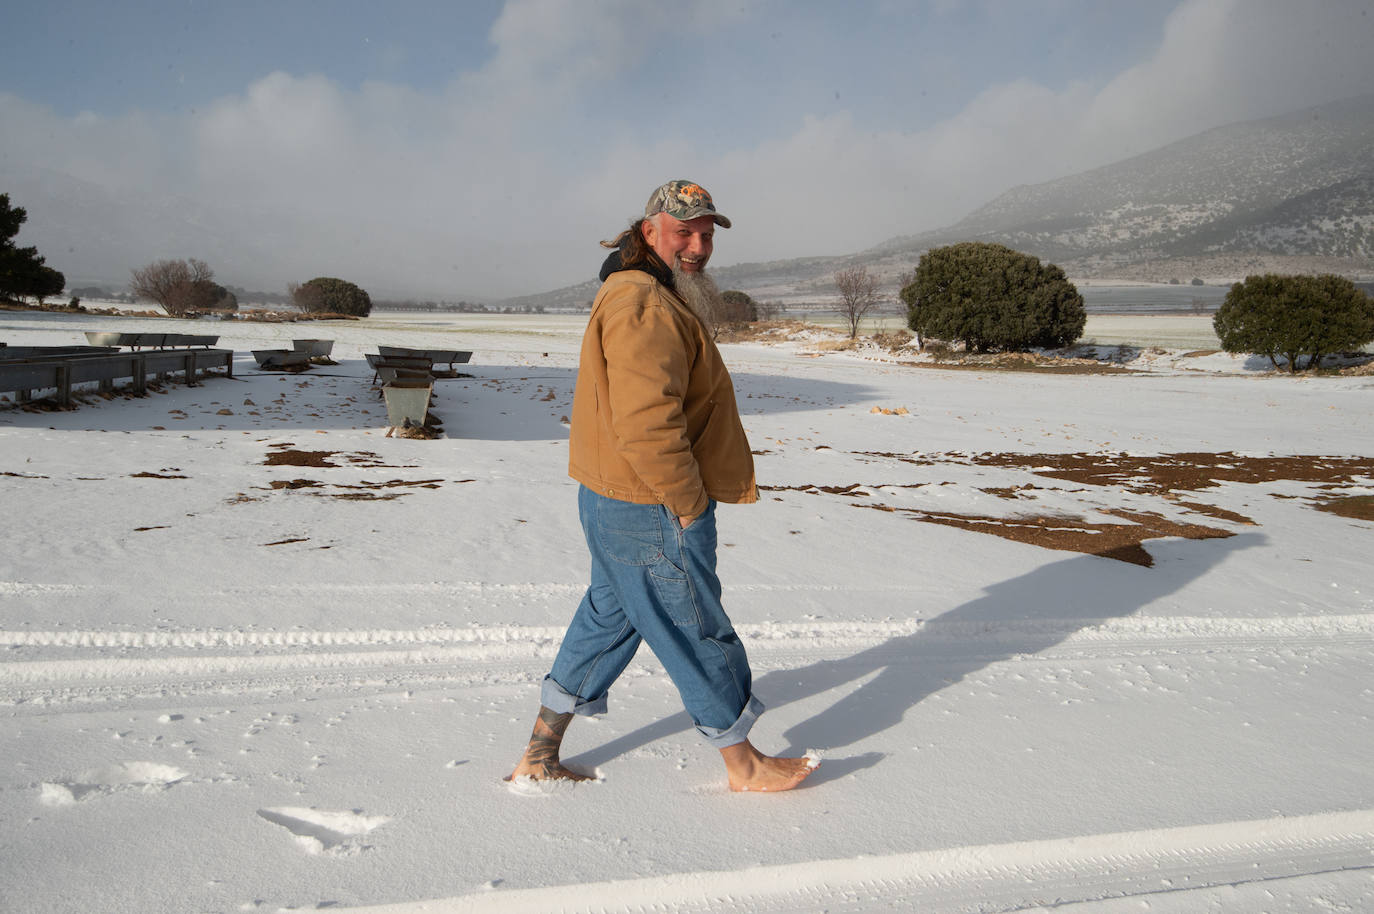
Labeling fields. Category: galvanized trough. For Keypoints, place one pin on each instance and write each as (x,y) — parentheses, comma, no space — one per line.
(150,340)
(318,349)
(60,368)
(437,356)
(281,358)
(407,402)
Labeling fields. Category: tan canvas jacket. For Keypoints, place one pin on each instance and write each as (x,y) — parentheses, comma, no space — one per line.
(654,416)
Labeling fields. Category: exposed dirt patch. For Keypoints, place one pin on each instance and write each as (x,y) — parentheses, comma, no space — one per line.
(158,476)
(765,332)
(364,491)
(1356,507)
(1073,534)
(1021,361)
(1188,471)
(360,496)
(293,458)
(852,489)
(288,456)
(394,484)
(295,484)
(1214,511)
(1008,492)
(1164,476)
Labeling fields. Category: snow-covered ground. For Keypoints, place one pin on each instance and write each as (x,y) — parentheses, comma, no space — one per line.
(258,656)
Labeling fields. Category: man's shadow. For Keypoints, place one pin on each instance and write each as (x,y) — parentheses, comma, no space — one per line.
(1024,615)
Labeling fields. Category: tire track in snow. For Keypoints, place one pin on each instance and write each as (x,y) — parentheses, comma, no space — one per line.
(986,878)
(370,592)
(97,667)
(761,635)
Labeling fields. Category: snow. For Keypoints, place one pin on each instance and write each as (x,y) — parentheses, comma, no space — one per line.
(229,685)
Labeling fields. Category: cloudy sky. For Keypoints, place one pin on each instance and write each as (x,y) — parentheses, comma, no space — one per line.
(481,149)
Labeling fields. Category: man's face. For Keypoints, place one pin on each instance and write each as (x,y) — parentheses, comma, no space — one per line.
(688,242)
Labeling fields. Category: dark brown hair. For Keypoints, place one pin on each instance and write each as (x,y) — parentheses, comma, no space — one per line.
(634,247)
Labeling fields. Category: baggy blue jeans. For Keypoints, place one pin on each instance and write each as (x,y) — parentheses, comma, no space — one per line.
(653,581)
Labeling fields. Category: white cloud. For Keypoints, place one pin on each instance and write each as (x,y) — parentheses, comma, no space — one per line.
(836,189)
(502,182)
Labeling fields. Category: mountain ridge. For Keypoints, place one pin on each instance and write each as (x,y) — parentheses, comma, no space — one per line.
(1290,193)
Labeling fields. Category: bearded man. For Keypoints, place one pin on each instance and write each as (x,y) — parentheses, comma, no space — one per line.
(656,442)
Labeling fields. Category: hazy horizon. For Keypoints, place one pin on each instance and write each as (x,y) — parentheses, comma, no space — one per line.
(481,152)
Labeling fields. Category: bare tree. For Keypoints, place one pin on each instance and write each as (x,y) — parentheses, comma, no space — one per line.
(305,297)
(859,294)
(179,286)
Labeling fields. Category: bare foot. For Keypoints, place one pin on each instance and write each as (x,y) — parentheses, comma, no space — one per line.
(751,770)
(540,761)
(545,771)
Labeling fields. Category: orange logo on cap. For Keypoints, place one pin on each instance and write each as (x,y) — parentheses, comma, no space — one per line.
(690,193)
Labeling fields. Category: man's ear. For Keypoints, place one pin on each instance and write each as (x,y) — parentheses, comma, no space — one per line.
(648,229)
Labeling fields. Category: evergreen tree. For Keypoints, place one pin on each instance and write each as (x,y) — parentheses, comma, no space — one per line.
(1294,316)
(23,272)
(992,298)
(325,294)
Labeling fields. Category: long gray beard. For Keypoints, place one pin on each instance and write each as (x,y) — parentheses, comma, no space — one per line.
(702,295)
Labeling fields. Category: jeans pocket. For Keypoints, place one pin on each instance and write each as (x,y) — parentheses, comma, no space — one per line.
(629,533)
(671,577)
(675,593)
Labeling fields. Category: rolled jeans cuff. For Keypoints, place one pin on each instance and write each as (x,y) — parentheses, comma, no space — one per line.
(558,699)
(737,732)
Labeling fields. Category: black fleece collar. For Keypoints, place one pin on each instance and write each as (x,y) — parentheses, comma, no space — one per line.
(654,268)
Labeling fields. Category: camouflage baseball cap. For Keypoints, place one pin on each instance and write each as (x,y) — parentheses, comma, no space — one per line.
(684,200)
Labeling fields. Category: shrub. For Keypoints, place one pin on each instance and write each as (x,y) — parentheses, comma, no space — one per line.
(221,299)
(181,287)
(327,294)
(992,298)
(1294,316)
(740,307)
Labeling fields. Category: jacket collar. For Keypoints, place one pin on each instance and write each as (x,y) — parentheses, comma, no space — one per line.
(655,268)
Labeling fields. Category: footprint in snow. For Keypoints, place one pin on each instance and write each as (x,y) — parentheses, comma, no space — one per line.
(144,777)
(320,831)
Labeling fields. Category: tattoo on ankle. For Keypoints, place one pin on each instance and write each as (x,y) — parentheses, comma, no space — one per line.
(546,738)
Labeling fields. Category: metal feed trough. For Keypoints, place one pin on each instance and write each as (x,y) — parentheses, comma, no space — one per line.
(407,402)
(150,340)
(43,353)
(388,373)
(318,349)
(437,356)
(414,367)
(26,369)
(281,358)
